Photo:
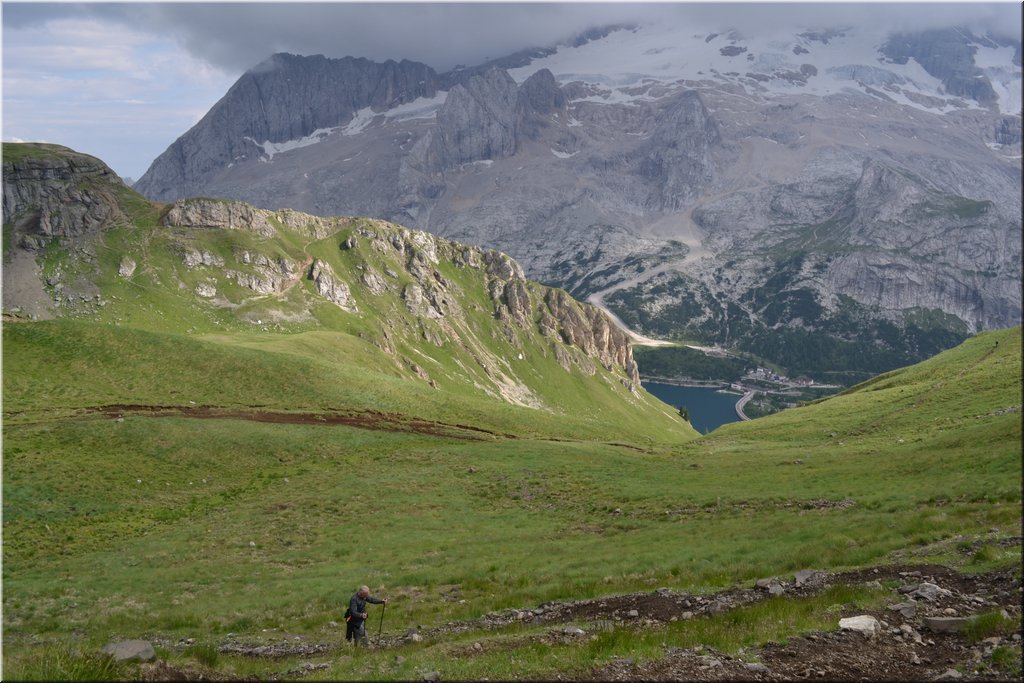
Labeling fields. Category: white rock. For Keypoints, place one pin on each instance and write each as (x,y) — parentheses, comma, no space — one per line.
(864,623)
(126,267)
(929,591)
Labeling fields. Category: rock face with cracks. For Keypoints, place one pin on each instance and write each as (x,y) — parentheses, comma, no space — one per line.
(59,193)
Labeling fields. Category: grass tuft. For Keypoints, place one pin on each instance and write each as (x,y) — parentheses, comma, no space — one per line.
(988,625)
(60,662)
(204,653)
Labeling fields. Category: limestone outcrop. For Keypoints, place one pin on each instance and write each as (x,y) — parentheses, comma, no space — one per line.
(57,192)
(331,287)
(477,122)
(215,213)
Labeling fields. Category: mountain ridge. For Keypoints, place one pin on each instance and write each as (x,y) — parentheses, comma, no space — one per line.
(452,317)
(649,166)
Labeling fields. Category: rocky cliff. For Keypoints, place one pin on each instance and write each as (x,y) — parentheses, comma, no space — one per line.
(52,191)
(579,334)
(285,98)
(476,122)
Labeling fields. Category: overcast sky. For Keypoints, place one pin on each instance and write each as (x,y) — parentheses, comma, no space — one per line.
(123,80)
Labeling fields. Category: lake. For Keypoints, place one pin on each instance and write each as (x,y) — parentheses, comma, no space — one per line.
(708,408)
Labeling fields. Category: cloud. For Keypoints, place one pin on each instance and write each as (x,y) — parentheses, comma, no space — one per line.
(102,87)
(237,36)
(441,35)
(147,72)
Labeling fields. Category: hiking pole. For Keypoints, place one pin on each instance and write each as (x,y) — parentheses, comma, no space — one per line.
(381,629)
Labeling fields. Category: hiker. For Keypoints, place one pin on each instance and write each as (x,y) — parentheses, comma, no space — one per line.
(355,615)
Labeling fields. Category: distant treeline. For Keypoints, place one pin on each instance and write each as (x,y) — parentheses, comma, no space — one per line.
(680,362)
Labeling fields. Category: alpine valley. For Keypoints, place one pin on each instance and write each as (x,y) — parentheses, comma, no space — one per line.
(836,201)
(217,418)
(358,325)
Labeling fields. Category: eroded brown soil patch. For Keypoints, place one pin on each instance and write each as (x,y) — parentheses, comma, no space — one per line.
(370,419)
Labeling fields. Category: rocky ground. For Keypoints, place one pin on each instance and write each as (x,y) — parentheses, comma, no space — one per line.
(918,636)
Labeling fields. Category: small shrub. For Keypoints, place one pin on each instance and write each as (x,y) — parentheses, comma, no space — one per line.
(204,653)
(985,554)
(987,625)
(1007,659)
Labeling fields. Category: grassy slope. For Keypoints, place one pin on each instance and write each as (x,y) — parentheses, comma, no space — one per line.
(305,353)
(176,527)
(296,351)
(147,526)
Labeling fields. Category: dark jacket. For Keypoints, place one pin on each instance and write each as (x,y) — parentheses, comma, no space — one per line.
(357,606)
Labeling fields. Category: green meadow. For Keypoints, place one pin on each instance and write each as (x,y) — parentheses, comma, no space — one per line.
(201,469)
(171,527)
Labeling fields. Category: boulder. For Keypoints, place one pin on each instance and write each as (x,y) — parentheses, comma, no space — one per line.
(806,576)
(773,586)
(864,623)
(127,267)
(945,624)
(907,609)
(929,591)
(131,651)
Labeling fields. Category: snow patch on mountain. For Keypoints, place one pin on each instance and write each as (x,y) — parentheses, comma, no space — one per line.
(619,63)
(360,120)
(272,148)
(997,64)
(420,108)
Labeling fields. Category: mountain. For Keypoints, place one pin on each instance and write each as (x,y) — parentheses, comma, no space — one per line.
(834,200)
(456,325)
